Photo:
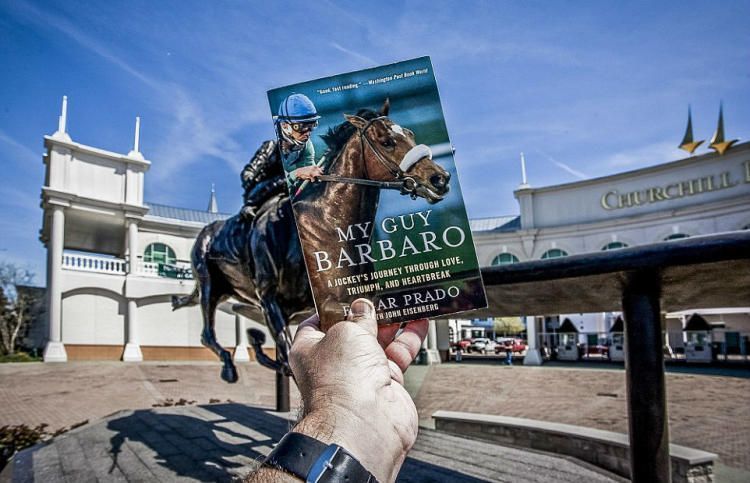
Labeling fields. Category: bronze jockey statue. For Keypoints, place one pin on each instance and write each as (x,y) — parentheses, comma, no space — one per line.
(294,153)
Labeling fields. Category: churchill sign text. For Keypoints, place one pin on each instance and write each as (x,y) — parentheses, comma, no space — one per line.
(614,199)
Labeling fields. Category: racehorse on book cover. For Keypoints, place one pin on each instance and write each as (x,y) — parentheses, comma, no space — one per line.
(260,263)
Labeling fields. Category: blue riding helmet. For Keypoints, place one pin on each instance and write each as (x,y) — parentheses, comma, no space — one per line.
(297,108)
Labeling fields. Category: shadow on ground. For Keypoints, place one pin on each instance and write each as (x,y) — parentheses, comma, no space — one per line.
(217,443)
(222,442)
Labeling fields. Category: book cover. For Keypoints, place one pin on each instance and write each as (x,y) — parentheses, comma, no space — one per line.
(373,183)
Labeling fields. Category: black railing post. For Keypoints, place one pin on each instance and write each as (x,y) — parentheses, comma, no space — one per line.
(644,367)
(282,389)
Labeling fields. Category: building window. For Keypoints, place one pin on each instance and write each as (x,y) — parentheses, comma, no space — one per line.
(614,245)
(505,259)
(159,253)
(554,253)
(676,236)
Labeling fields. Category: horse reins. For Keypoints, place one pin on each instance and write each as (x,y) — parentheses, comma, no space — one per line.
(406,185)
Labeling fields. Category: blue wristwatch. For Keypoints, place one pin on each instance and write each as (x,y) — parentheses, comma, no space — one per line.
(315,462)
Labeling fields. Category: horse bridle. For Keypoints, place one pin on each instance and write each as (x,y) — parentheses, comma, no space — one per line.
(406,184)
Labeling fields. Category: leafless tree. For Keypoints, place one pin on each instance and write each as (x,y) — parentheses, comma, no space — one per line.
(19,304)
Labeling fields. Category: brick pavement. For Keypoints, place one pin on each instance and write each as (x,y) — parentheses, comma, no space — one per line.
(715,419)
(61,395)
(219,442)
(711,413)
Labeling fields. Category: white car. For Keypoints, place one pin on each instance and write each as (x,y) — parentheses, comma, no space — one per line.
(482,345)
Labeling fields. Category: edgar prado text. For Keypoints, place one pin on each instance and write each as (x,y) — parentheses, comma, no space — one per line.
(416,302)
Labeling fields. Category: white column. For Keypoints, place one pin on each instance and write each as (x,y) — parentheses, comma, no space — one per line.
(55,350)
(133,347)
(132,351)
(240,351)
(433,356)
(132,246)
(533,355)
(442,327)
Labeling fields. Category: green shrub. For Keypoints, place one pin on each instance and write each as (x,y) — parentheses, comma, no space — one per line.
(19,357)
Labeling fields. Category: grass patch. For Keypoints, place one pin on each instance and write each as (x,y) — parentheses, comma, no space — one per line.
(19,357)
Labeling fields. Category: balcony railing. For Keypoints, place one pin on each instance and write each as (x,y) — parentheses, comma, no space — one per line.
(149,269)
(93,263)
(118,266)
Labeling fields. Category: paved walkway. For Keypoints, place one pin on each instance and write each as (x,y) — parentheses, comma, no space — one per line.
(711,413)
(706,412)
(221,442)
(62,395)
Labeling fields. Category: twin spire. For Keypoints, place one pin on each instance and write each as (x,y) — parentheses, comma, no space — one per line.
(62,130)
(62,134)
(213,206)
(718,143)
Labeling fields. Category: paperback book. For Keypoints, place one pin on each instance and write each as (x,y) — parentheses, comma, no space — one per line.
(375,194)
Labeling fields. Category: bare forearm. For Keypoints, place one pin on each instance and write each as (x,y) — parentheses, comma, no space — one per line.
(270,475)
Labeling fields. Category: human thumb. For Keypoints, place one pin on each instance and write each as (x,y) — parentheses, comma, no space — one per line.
(362,312)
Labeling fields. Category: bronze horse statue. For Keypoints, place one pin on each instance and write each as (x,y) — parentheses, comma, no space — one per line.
(260,262)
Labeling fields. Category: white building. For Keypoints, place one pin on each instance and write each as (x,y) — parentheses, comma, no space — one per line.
(698,195)
(114,260)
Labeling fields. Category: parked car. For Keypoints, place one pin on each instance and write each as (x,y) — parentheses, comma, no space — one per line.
(482,345)
(516,345)
(462,344)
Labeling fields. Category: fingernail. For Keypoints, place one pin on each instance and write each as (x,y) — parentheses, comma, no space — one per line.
(362,309)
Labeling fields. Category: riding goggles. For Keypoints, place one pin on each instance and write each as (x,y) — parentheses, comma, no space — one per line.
(304,126)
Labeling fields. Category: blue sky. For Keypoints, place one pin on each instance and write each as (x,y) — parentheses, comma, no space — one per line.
(584,89)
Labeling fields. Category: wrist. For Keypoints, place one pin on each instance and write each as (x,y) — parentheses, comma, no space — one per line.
(381,452)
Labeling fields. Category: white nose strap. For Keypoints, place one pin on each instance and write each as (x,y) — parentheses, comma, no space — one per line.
(415,154)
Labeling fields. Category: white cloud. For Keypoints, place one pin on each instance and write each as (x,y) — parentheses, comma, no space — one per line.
(363,58)
(195,133)
(641,156)
(568,169)
(19,200)
(20,153)
(565,167)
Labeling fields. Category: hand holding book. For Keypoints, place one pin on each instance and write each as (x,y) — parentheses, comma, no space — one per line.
(351,381)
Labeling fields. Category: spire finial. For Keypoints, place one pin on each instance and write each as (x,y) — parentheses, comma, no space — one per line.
(687,143)
(62,122)
(136,141)
(524,181)
(718,143)
(213,206)
(136,151)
